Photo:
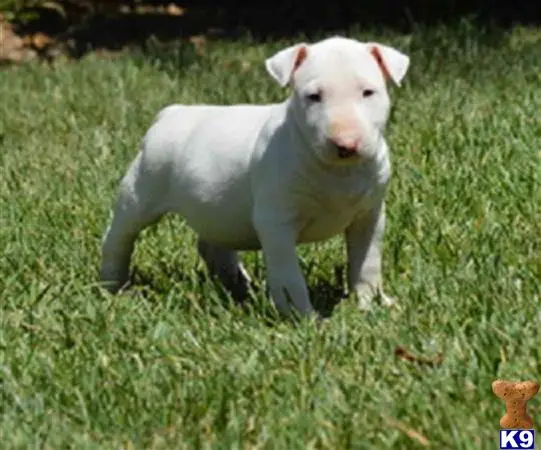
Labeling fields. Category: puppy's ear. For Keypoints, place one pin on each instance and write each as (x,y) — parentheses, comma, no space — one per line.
(283,64)
(394,64)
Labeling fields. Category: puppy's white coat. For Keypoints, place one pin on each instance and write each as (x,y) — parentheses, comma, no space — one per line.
(269,177)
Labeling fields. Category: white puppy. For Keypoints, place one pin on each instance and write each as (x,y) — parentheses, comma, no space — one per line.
(269,177)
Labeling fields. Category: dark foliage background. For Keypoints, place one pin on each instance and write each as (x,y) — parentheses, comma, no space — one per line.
(74,27)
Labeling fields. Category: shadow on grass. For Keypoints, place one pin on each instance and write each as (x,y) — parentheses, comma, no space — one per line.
(325,294)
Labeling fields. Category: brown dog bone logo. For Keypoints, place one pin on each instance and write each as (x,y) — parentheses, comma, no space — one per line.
(515,395)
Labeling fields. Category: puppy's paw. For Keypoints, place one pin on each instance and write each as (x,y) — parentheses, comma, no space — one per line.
(366,296)
(114,281)
(115,287)
(386,300)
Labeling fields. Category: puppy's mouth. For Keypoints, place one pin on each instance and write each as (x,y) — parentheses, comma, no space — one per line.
(346,153)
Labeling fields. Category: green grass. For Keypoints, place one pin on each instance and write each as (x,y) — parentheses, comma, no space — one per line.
(169,364)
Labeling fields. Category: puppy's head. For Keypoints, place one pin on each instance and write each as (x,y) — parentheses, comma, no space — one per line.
(339,99)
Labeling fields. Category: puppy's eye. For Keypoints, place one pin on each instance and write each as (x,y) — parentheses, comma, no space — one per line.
(368,93)
(315,97)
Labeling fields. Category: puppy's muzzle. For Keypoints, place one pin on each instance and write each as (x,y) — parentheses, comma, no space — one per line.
(346,148)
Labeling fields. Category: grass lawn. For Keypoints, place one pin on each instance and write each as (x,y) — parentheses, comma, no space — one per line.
(170,364)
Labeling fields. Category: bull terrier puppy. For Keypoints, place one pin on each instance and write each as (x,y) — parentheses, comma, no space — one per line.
(269,177)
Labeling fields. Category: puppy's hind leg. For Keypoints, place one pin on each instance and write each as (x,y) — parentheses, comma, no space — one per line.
(133,212)
(225,265)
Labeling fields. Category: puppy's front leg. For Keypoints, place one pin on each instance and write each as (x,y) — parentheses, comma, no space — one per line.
(284,273)
(364,242)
